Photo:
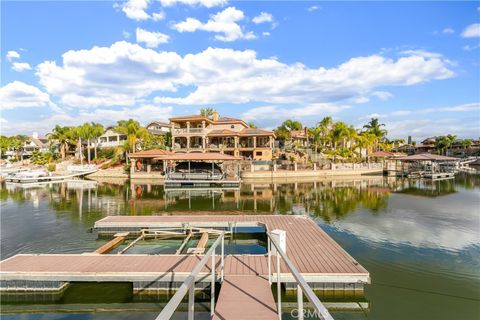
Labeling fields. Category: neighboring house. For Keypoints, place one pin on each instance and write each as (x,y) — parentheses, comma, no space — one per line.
(111,139)
(231,136)
(299,138)
(35,143)
(408,149)
(157,127)
(427,145)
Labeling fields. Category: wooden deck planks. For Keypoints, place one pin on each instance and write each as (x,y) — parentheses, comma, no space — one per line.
(311,250)
(245,297)
(308,246)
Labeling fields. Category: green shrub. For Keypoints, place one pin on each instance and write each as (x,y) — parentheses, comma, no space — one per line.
(51,167)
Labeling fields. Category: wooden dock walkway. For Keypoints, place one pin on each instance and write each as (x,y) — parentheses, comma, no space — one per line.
(318,258)
(245,297)
(315,254)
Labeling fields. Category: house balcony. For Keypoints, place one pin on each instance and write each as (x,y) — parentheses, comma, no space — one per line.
(187,131)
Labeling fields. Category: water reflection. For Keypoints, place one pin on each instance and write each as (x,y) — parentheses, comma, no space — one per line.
(419,239)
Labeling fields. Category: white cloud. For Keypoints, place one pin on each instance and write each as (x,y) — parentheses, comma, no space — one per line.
(103,116)
(157,16)
(313,8)
(126,34)
(382,95)
(205,3)
(151,39)
(223,23)
(18,94)
(448,31)
(20,66)
(471,31)
(239,77)
(115,75)
(277,112)
(125,73)
(136,9)
(12,55)
(263,17)
(471,48)
(265,33)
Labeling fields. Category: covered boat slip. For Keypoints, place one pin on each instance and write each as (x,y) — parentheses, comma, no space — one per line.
(426,165)
(201,170)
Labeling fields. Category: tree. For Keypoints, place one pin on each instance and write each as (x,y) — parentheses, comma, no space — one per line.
(252,125)
(133,131)
(466,143)
(375,128)
(62,136)
(97,131)
(283,132)
(5,144)
(17,143)
(153,141)
(206,112)
(324,128)
(442,143)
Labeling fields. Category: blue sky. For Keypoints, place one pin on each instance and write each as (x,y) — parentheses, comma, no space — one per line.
(415,65)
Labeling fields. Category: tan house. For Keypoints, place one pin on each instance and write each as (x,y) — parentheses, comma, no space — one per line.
(230,136)
(158,127)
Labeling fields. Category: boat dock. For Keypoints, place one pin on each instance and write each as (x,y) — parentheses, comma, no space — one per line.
(245,278)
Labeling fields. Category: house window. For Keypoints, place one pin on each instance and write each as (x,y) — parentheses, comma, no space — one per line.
(232,126)
(258,153)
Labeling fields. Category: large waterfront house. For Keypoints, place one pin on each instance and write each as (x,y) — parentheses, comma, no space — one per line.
(111,139)
(197,133)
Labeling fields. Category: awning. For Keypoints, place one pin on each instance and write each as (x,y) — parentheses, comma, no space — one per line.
(149,154)
(427,157)
(193,156)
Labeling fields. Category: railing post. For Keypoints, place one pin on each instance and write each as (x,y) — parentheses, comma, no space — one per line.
(269,261)
(191,301)
(212,290)
(300,302)
(222,263)
(279,288)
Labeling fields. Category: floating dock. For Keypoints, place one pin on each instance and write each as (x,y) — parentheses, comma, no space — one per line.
(245,291)
(178,183)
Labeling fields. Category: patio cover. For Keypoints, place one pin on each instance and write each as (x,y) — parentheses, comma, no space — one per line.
(209,156)
(427,157)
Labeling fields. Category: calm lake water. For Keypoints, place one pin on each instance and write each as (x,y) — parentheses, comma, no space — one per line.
(419,240)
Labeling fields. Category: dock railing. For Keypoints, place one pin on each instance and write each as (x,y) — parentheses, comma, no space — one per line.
(189,284)
(302,286)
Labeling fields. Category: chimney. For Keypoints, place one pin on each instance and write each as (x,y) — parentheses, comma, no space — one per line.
(215,116)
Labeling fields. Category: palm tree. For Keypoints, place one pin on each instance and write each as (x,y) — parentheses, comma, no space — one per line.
(17,143)
(97,131)
(339,132)
(206,112)
(132,130)
(62,136)
(75,134)
(324,128)
(376,128)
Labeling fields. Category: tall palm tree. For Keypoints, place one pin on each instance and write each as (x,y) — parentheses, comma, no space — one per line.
(132,130)
(97,131)
(375,128)
(62,136)
(324,128)
(338,134)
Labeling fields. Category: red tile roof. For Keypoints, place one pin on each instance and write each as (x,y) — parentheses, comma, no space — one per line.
(193,156)
(149,153)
